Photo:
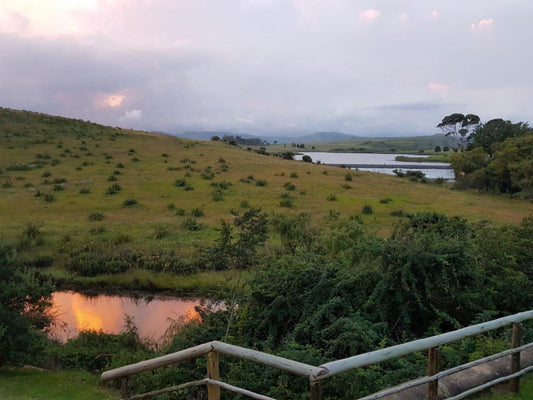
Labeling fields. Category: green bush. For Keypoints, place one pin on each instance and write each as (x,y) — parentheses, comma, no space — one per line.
(260,182)
(289,186)
(331,197)
(287,202)
(49,197)
(180,211)
(191,224)
(96,216)
(113,189)
(85,190)
(129,202)
(367,210)
(112,178)
(348,177)
(197,212)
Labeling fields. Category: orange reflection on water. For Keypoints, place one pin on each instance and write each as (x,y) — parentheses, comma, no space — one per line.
(76,312)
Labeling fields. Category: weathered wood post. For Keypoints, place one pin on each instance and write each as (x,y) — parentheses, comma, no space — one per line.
(125,387)
(316,390)
(433,368)
(213,392)
(515,358)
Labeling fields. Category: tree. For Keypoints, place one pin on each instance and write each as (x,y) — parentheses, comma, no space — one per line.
(437,149)
(496,131)
(307,158)
(24,299)
(459,127)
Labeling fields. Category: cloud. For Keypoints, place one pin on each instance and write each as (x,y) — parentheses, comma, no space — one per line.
(132,115)
(438,87)
(434,14)
(370,15)
(114,100)
(484,23)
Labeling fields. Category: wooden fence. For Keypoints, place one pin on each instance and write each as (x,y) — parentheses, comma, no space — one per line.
(316,375)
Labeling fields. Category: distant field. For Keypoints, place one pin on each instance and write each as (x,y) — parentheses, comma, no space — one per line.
(57,175)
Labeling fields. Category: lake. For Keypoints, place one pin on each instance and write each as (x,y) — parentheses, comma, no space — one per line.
(76,312)
(382,163)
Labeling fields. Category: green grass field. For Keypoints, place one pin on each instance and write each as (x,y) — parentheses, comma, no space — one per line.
(18,384)
(56,175)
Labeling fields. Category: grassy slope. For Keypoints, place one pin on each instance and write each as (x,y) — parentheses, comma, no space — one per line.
(88,164)
(44,385)
(526,392)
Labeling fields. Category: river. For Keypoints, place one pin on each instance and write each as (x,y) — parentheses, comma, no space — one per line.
(151,315)
(382,163)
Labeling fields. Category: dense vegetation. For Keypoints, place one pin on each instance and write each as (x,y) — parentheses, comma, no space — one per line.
(319,263)
(499,158)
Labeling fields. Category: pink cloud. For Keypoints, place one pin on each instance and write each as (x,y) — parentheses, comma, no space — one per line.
(438,87)
(114,100)
(484,23)
(370,15)
(434,14)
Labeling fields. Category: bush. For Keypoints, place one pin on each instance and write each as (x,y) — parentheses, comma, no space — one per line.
(348,177)
(289,186)
(85,190)
(180,182)
(260,182)
(58,188)
(346,186)
(129,202)
(60,180)
(49,197)
(119,165)
(46,174)
(96,259)
(294,175)
(331,197)
(287,202)
(197,212)
(397,213)
(112,178)
(161,232)
(245,204)
(367,210)
(217,195)
(113,189)
(385,200)
(96,216)
(180,211)
(191,224)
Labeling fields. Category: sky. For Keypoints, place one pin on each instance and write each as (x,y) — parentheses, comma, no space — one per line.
(269,67)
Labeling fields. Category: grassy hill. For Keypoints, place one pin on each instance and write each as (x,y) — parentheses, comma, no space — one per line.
(67,184)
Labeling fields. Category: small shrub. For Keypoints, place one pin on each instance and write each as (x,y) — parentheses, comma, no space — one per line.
(221,160)
(46,174)
(217,195)
(49,197)
(289,186)
(98,230)
(439,181)
(397,213)
(131,151)
(55,162)
(324,172)
(346,186)
(164,155)
(60,180)
(38,193)
(245,204)
(348,177)
(116,172)
(119,165)
(287,202)
(122,238)
(250,177)
(188,188)
(129,202)
(85,190)
(191,224)
(286,196)
(180,182)
(112,178)
(331,197)
(58,188)
(113,189)
(197,212)
(171,206)
(261,182)
(135,159)
(385,200)
(96,216)
(294,175)
(180,211)
(367,210)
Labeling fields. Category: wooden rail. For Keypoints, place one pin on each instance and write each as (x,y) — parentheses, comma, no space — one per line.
(316,375)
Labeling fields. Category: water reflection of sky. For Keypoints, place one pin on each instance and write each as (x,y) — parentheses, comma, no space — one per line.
(76,312)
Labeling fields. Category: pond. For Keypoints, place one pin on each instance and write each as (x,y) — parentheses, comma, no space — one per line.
(151,315)
(382,163)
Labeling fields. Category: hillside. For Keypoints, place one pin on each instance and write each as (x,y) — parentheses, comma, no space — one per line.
(68,183)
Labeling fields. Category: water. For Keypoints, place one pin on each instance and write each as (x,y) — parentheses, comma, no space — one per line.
(378,162)
(76,312)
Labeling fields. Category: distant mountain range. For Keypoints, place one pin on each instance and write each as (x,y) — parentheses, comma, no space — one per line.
(312,138)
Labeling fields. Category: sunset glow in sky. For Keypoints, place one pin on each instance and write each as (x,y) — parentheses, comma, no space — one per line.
(380,67)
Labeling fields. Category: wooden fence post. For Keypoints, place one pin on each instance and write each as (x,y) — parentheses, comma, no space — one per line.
(316,390)
(125,387)
(433,368)
(213,392)
(515,358)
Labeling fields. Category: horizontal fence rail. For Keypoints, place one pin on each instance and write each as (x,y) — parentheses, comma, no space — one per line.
(316,375)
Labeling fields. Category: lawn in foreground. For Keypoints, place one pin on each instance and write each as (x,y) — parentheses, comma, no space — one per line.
(18,384)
